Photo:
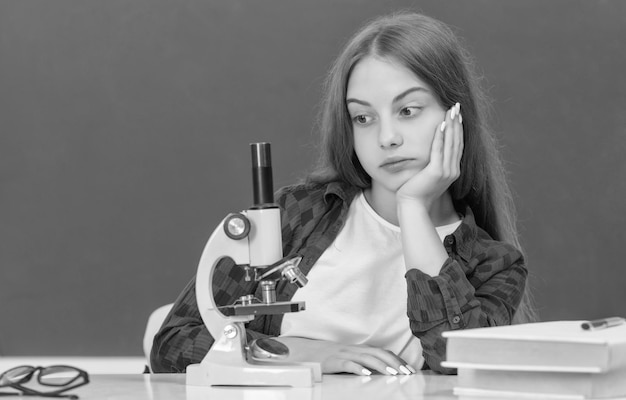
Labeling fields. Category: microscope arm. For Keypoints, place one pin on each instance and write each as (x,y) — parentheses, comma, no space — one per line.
(218,247)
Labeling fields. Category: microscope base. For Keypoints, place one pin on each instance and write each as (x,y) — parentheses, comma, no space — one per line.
(210,374)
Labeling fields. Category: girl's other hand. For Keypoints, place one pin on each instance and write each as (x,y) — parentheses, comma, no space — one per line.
(338,358)
(444,166)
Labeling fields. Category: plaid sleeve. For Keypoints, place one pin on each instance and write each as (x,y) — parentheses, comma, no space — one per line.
(483,292)
(183,338)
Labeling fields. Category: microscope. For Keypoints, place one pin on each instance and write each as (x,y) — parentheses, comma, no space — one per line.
(252,239)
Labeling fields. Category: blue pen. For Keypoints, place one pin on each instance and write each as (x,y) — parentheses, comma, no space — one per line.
(602,323)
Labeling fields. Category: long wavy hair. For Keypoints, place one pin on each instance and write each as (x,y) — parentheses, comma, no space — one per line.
(429,49)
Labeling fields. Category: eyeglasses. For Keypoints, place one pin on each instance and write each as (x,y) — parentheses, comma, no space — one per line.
(59,377)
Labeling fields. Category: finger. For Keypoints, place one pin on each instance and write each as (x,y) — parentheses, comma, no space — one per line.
(460,141)
(369,362)
(436,149)
(397,362)
(457,145)
(448,140)
(384,361)
(338,365)
(461,137)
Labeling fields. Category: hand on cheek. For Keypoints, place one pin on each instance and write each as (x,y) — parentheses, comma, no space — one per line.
(444,166)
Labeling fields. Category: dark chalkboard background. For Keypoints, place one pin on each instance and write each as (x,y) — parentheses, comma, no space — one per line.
(124,132)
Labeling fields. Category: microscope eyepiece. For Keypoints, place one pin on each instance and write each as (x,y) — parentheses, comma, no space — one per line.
(262,184)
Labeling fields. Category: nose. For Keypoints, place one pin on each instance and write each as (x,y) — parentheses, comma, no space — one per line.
(388,135)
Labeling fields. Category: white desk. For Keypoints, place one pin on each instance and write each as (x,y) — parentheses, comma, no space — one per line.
(334,387)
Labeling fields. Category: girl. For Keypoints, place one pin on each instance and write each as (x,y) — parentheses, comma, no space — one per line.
(406,227)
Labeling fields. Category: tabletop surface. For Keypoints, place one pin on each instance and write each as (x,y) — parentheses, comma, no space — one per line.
(172,386)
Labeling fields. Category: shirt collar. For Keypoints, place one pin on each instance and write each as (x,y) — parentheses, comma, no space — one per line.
(342,190)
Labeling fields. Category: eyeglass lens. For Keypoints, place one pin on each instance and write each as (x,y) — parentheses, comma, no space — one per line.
(16,375)
(58,375)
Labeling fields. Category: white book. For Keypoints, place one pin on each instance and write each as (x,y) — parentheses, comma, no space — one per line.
(544,346)
(540,384)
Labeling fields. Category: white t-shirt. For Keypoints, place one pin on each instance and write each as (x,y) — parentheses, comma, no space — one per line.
(357,291)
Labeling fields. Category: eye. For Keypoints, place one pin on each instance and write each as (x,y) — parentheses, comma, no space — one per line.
(409,111)
(361,119)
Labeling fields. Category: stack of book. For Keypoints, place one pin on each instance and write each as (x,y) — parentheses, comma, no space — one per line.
(547,360)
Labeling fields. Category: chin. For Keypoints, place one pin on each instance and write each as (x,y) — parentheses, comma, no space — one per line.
(391,185)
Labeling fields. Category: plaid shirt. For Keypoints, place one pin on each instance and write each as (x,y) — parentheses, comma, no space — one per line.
(480,284)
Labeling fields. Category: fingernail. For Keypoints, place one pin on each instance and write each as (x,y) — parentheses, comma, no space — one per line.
(366,371)
(453,112)
(460,119)
(404,370)
(411,369)
(391,371)
(443,126)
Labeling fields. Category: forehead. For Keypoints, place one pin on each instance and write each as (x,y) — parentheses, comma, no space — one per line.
(375,76)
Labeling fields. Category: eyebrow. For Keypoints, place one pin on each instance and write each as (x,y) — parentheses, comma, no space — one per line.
(395,99)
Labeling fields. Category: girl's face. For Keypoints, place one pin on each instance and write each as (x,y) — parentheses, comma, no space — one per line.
(394,116)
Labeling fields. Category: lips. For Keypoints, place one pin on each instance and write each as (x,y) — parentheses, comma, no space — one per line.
(396,163)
